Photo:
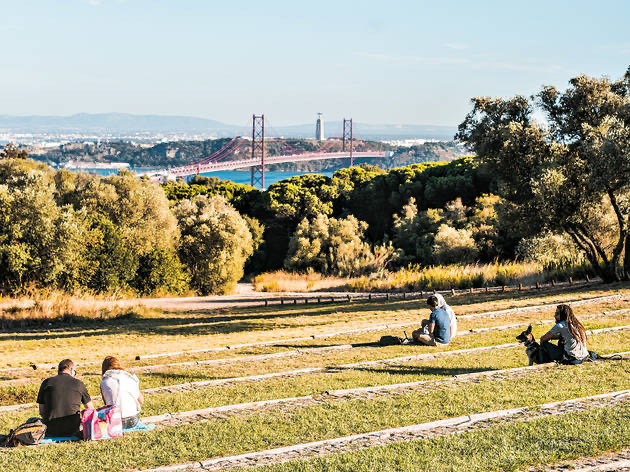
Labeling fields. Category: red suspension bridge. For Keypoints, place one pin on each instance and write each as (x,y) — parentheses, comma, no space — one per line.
(255,149)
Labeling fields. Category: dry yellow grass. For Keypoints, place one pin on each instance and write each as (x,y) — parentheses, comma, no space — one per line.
(413,278)
(38,307)
(281,281)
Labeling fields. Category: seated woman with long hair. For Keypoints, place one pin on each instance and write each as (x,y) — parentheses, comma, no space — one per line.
(119,387)
(571,347)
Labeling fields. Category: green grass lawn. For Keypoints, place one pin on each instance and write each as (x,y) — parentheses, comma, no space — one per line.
(25,393)
(506,448)
(257,431)
(155,331)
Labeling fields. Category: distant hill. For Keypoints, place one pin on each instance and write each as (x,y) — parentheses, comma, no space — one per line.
(103,124)
(177,153)
(373,132)
(114,123)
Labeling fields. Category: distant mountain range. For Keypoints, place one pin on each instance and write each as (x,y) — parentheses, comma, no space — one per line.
(103,124)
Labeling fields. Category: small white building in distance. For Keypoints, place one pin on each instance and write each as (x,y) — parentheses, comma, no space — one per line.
(319,128)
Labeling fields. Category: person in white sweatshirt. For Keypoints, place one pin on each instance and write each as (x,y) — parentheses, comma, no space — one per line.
(451,314)
(119,387)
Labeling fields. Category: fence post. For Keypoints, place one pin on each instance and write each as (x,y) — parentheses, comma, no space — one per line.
(553,282)
(487,289)
(404,295)
(588,279)
(266,302)
(452,291)
(370,296)
(306,301)
(348,298)
(471,290)
(319,300)
(503,288)
(281,301)
(387,296)
(538,285)
(520,287)
(570,280)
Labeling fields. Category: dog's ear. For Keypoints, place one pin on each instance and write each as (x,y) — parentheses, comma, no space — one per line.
(529,329)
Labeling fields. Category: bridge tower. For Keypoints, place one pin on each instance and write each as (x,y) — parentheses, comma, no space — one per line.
(258,150)
(347,138)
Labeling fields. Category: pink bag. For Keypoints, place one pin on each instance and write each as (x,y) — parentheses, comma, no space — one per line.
(103,423)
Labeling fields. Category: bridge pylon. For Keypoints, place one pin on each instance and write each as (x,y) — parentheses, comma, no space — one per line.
(258,151)
(347,138)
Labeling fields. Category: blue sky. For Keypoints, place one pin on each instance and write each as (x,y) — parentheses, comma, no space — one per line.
(416,62)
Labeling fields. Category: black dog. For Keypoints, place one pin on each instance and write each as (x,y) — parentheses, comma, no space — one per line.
(532,348)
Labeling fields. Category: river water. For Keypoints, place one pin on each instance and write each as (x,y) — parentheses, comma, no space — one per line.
(239,177)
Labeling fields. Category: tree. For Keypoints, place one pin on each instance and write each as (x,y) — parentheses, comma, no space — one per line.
(414,234)
(40,243)
(137,207)
(11,151)
(215,243)
(454,246)
(566,175)
(302,196)
(335,247)
(160,271)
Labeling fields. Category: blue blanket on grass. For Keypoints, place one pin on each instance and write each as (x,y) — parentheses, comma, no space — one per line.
(139,427)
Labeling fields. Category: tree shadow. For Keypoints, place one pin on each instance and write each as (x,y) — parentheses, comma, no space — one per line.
(423,370)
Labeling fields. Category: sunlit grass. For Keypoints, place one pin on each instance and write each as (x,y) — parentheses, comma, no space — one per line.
(275,428)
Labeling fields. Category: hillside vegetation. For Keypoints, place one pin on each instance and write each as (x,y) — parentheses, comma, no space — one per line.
(177,153)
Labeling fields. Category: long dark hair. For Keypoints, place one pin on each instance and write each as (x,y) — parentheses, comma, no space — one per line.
(574,326)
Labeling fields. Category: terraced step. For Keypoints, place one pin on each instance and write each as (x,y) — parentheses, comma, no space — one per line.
(189,386)
(363,393)
(380,327)
(407,433)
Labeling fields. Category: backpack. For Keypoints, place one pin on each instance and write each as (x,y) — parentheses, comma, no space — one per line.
(27,434)
(393,340)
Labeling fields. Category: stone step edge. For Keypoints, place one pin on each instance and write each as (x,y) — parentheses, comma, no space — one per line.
(533,308)
(310,370)
(609,467)
(309,350)
(489,314)
(350,391)
(457,421)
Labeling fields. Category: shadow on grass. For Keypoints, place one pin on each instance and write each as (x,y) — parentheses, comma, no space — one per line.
(242,319)
(423,370)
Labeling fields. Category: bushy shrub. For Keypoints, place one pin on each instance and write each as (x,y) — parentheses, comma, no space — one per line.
(454,246)
(113,263)
(40,242)
(160,271)
(215,242)
(550,250)
(137,207)
(335,247)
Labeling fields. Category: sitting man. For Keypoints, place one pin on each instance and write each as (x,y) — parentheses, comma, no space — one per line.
(60,400)
(435,331)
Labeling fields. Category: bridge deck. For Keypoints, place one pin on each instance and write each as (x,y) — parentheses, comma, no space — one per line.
(231,165)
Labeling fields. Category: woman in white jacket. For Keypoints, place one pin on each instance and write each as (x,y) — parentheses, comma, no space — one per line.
(119,387)
(451,314)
